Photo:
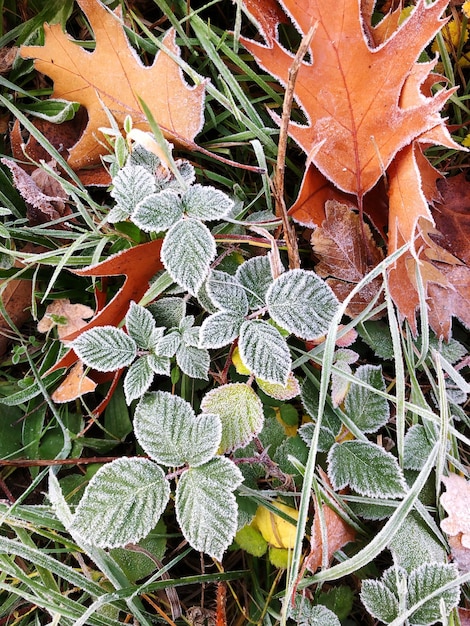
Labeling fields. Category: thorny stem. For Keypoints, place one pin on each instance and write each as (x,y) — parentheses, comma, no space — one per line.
(281,209)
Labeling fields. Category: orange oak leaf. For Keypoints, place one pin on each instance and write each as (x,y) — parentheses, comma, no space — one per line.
(345,256)
(68,317)
(361,129)
(338,534)
(75,385)
(113,75)
(139,264)
(373,112)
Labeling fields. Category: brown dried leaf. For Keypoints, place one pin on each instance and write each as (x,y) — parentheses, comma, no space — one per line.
(337,531)
(43,207)
(456,502)
(7,58)
(345,256)
(68,318)
(452,215)
(75,385)
(16,298)
(113,75)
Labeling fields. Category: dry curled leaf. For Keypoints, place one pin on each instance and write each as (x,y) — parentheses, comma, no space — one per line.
(75,385)
(69,318)
(456,502)
(44,196)
(452,215)
(338,534)
(113,76)
(345,256)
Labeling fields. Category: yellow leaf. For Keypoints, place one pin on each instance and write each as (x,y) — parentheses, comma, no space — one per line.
(278,532)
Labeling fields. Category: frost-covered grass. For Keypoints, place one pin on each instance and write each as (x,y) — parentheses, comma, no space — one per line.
(244,423)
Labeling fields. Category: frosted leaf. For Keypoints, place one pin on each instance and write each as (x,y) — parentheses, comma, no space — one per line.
(105,348)
(302,303)
(206,508)
(379,601)
(158,211)
(189,333)
(168,312)
(240,410)
(264,351)
(144,158)
(168,430)
(367,468)
(187,252)
(131,185)
(255,275)
(426,579)
(117,214)
(456,502)
(168,344)
(159,364)
(122,503)
(307,614)
(418,447)
(140,325)
(138,379)
(193,361)
(220,329)
(368,410)
(415,543)
(206,203)
(330,424)
(227,293)
(281,392)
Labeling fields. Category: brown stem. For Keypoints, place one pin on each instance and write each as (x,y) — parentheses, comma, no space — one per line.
(281,209)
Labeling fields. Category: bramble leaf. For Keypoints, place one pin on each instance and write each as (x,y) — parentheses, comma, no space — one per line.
(255,275)
(206,203)
(122,503)
(187,252)
(206,508)
(264,351)
(368,410)
(367,468)
(240,411)
(302,303)
(170,433)
(105,348)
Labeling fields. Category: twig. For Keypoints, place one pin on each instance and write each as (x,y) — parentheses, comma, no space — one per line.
(281,209)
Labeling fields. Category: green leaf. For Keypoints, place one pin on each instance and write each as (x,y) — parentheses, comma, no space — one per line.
(159,364)
(264,351)
(368,410)
(426,579)
(105,348)
(302,303)
(131,185)
(414,543)
(122,503)
(206,508)
(158,211)
(418,447)
(307,614)
(379,600)
(227,293)
(330,425)
(206,203)
(220,329)
(140,325)
(255,275)
(240,411)
(169,431)
(168,312)
(194,362)
(187,252)
(138,379)
(367,468)
(54,110)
